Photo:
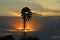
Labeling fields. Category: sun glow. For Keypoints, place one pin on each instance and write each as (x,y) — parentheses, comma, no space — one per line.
(29,27)
(15,13)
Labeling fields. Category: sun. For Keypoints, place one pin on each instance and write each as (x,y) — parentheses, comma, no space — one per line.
(29,27)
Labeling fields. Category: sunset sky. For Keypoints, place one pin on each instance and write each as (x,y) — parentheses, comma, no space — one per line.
(45,21)
(14,7)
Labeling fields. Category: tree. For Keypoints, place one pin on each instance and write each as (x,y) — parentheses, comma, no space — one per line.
(26,15)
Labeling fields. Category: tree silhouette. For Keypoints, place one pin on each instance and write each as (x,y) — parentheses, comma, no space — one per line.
(26,15)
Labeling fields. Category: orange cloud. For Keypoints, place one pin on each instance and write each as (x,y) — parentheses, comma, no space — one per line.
(18,14)
(15,13)
(47,13)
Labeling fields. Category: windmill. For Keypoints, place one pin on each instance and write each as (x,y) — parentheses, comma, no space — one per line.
(26,16)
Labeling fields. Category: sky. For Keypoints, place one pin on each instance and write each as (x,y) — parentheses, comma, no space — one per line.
(49,22)
(14,7)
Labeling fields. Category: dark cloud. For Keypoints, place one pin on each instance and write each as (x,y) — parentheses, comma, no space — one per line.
(50,26)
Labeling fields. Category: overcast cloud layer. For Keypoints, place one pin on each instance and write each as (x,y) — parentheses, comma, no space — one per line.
(7,6)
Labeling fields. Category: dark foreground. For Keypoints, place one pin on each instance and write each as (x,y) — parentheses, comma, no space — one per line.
(10,37)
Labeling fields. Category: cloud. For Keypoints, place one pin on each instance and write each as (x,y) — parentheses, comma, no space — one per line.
(11,7)
(50,4)
(33,11)
(46,13)
(55,37)
(8,13)
(15,13)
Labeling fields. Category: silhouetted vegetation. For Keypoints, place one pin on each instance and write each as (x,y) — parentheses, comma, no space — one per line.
(9,37)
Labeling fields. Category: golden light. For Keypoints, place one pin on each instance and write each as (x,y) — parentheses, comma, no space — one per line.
(18,23)
(29,27)
(46,13)
(15,13)
(12,30)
